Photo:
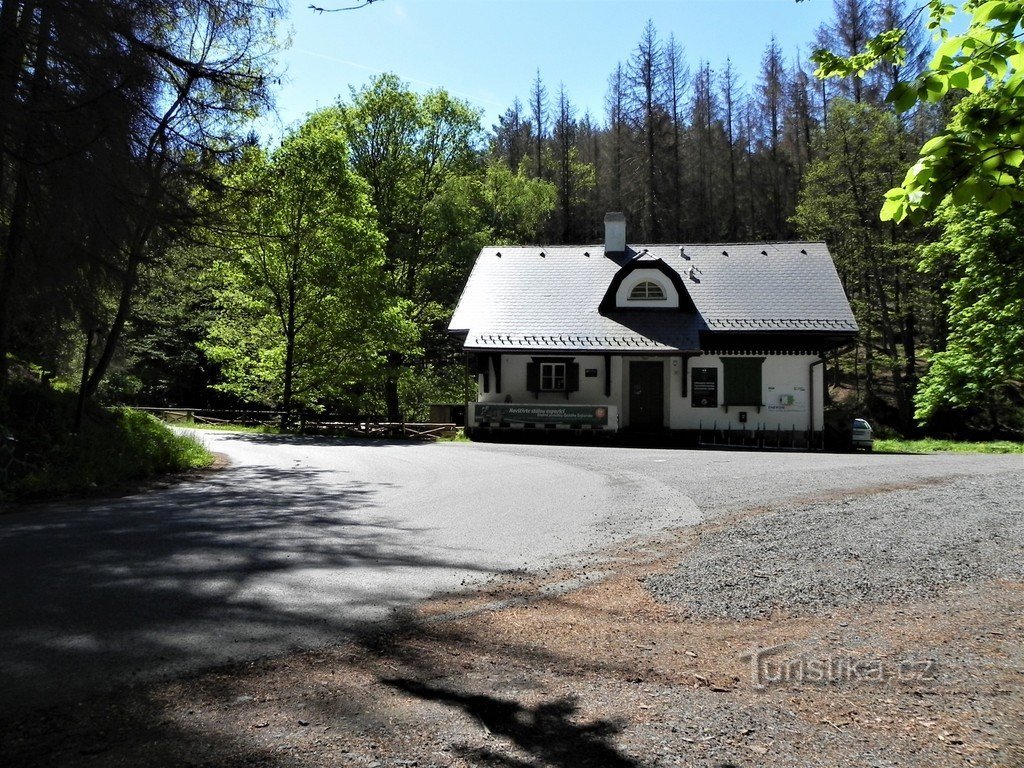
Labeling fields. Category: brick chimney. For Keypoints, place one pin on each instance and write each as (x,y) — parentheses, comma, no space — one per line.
(614,233)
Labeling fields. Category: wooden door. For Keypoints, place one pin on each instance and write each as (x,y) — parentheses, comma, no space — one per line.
(646,394)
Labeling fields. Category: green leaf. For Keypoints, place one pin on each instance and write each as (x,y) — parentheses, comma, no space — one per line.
(978,80)
(989,11)
(960,80)
(892,210)
(935,86)
(1013,158)
(1000,201)
(940,142)
(949,48)
(965,192)
(903,96)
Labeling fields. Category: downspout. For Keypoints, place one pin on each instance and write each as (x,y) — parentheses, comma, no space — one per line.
(810,389)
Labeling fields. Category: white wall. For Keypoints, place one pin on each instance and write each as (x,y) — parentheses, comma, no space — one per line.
(513,382)
(784,384)
(782,377)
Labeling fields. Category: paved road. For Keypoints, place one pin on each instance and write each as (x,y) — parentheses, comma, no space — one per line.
(303,541)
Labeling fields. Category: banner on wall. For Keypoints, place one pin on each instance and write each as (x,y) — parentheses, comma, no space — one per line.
(787,399)
(591,415)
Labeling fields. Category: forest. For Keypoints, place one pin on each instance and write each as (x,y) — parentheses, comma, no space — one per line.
(155,251)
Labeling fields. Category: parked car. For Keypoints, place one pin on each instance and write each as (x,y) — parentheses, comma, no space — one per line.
(863,435)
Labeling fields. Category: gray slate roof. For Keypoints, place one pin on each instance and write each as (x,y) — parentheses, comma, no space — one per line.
(518,299)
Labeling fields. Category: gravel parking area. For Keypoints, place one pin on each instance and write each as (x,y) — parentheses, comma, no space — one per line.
(880,548)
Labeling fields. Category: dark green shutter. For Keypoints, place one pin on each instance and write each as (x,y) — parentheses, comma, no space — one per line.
(742,380)
(533,377)
(572,377)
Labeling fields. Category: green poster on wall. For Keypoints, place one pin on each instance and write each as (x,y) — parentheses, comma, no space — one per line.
(590,415)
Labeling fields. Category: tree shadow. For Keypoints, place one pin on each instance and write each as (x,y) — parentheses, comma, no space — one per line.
(251,562)
(546,731)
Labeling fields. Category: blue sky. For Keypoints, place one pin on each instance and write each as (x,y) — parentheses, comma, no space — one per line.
(488,51)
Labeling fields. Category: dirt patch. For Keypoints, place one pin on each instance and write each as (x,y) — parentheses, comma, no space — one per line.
(582,667)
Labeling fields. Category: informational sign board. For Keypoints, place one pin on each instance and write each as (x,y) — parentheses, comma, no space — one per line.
(704,388)
(591,415)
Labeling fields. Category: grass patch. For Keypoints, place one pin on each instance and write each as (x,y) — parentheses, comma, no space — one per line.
(933,445)
(458,436)
(258,429)
(115,448)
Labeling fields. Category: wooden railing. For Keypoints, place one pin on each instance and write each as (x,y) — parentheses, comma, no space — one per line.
(306,424)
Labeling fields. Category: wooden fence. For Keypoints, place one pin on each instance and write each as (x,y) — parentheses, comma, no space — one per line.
(306,425)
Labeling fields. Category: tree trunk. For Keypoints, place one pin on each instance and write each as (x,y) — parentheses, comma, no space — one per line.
(14,48)
(289,374)
(391,401)
(90,335)
(124,308)
(289,360)
(9,270)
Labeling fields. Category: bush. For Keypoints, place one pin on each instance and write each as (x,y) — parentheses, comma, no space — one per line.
(42,458)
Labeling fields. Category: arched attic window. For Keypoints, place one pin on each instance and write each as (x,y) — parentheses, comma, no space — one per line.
(647,291)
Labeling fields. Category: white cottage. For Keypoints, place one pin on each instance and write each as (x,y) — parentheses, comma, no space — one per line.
(720,344)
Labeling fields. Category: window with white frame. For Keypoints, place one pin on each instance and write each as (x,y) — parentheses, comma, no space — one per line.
(647,291)
(552,377)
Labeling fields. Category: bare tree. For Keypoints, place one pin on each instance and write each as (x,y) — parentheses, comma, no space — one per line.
(676,80)
(728,91)
(615,105)
(538,109)
(643,79)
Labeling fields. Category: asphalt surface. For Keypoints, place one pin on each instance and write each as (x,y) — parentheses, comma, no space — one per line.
(303,542)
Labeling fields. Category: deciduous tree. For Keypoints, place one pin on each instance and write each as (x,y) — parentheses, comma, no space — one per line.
(305,313)
(980,374)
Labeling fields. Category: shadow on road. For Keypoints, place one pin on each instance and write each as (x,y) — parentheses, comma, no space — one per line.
(253,561)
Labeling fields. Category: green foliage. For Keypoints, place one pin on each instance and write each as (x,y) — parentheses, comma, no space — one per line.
(856,159)
(430,383)
(978,156)
(113,447)
(932,445)
(160,361)
(515,205)
(436,206)
(305,309)
(411,149)
(981,254)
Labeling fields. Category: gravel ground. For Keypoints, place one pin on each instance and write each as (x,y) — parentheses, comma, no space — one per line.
(883,548)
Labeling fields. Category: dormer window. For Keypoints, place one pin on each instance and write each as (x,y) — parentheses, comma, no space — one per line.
(647,291)
(646,284)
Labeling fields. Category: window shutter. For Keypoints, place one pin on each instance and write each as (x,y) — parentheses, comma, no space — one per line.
(533,377)
(572,377)
(742,380)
